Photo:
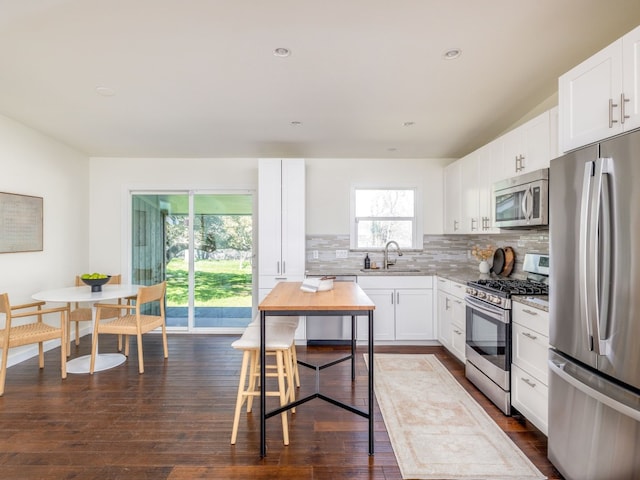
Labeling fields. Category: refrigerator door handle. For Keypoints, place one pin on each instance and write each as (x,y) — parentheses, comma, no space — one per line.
(583,252)
(559,368)
(599,247)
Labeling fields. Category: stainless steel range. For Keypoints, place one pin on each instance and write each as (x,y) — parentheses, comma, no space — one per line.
(488,337)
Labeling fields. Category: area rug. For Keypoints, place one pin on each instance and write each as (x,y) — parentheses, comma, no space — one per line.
(437,429)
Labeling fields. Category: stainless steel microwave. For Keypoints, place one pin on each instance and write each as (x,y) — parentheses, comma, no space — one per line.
(522,201)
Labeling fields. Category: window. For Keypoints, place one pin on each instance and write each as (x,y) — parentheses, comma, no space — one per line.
(381,214)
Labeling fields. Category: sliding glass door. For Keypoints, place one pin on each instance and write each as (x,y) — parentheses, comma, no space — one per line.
(202,245)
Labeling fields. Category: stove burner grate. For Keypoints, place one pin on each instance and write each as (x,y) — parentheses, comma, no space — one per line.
(513,287)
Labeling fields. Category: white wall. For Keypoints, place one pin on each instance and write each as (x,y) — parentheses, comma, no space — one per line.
(329,183)
(34,164)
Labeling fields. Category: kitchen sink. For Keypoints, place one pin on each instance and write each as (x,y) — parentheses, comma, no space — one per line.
(391,270)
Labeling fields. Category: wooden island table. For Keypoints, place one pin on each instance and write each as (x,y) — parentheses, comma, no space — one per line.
(346,298)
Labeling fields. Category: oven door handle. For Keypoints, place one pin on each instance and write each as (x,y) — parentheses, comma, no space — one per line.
(493,312)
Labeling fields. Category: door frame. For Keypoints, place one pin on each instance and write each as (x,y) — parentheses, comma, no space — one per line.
(127,260)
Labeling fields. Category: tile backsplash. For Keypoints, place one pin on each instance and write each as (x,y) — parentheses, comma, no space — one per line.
(438,251)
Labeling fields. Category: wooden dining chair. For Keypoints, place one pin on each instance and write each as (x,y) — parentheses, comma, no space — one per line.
(36,331)
(133,320)
(81,313)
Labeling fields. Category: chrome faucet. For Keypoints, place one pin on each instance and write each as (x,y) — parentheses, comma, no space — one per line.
(388,262)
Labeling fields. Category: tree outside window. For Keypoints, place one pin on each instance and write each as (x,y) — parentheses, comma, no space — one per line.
(382,215)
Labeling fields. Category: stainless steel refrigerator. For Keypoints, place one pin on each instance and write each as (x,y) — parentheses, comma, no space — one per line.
(594,360)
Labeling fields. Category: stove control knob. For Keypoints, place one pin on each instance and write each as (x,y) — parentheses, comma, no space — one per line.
(482,295)
(497,300)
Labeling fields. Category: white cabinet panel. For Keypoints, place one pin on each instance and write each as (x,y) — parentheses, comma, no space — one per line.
(530,351)
(469,195)
(404,308)
(530,397)
(414,314)
(526,148)
(451,317)
(631,78)
(281,217)
(599,98)
(586,98)
(452,201)
(488,174)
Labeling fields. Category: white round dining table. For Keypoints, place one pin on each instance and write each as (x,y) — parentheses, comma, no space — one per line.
(84,294)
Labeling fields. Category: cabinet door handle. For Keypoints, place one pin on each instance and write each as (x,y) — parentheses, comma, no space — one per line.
(611,119)
(398,298)
(455,225)
(284,267)
(446,304)
(528,335)
(473,222)
(278,268)
(530,312)
(392,298)
(623,116)
(529,382)
(457,332)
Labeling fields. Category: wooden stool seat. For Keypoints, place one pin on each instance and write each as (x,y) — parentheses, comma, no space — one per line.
(279,340)
(292,321)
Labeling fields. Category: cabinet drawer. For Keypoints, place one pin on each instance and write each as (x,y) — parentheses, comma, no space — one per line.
(530,317)
(458,289)
(458,340)
(530,351)
(529,395)
(444,285)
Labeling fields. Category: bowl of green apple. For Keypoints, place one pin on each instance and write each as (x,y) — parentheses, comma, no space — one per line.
(95,280)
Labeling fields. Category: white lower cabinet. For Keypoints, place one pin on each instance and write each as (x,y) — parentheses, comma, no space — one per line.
(529,372)
(452,317)
(404,308)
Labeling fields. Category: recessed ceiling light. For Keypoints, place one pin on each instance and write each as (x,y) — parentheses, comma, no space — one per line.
(282,52)
(409,124)
(392,149)
(105,91)
(452,54)
(296,123)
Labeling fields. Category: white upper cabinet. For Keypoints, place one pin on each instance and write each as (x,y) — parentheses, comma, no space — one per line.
(452,193)
(470,212)
(599,98)
(281,197)
(527,147)
(488,173)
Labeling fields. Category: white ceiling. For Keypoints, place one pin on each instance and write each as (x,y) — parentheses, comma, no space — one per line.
(198,78)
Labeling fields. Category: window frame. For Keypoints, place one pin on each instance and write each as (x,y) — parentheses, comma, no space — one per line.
(417,219)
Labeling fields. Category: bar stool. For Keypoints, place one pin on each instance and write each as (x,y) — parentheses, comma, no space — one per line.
(279,339)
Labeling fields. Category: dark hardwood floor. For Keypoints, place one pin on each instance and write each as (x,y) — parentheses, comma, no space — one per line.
(174,421)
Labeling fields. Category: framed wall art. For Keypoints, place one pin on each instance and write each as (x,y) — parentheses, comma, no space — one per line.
(20,223)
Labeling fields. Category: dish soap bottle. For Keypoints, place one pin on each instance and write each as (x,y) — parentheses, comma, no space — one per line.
(367,262)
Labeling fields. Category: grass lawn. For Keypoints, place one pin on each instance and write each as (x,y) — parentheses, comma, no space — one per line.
(219,283)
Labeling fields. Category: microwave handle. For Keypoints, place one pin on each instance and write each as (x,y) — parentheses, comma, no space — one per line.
(527,203)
